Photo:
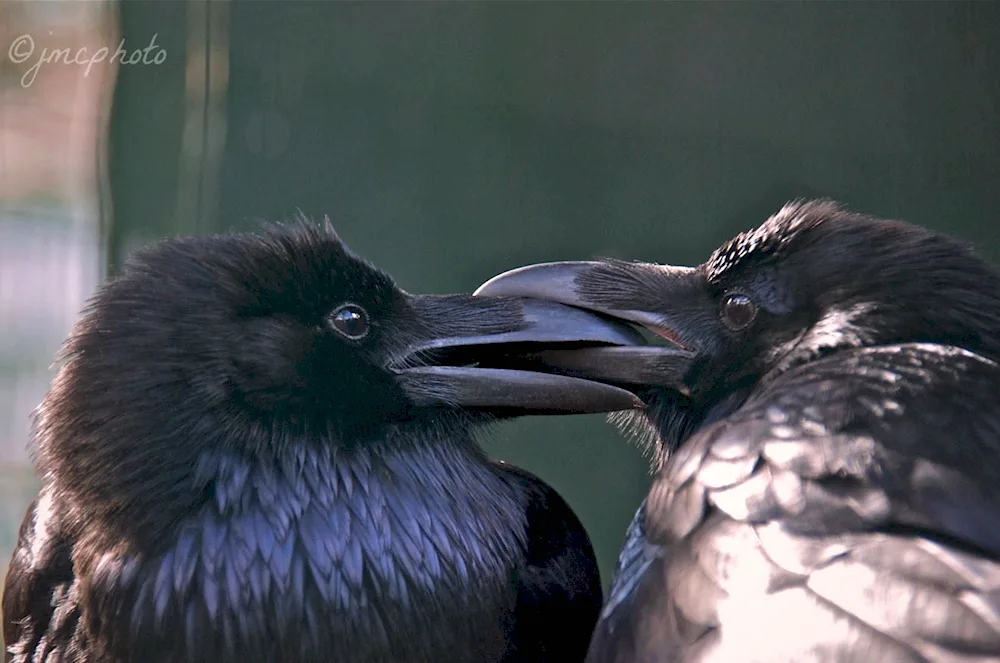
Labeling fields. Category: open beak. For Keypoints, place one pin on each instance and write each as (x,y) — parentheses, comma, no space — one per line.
(622,291)
(476,352)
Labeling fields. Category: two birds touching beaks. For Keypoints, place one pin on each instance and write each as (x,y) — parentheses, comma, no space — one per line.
(259,448)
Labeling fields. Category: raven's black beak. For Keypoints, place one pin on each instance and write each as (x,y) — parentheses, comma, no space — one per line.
(474,352)
(622,290)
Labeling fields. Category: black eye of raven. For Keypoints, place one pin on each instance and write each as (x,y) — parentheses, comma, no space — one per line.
(350,320)
(738,311)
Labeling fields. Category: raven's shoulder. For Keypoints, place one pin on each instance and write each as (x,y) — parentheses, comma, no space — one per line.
(848,511)
(38,611)
(558,584)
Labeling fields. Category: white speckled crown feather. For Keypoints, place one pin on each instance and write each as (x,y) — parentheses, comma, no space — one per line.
(768,239)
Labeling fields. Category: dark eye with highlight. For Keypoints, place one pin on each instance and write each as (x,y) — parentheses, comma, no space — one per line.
(350,320)
(737,311)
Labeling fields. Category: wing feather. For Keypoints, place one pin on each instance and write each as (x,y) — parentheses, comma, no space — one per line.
(849,511)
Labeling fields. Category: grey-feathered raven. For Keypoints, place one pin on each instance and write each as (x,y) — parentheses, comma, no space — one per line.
(827,420)
(260,449)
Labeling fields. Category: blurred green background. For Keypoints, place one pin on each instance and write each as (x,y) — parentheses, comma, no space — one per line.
(451,141)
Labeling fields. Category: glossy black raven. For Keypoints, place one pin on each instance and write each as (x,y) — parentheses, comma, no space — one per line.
(827,420)
(260,449)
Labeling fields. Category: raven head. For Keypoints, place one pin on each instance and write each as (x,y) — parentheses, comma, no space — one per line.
(243,343)
(810,280)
